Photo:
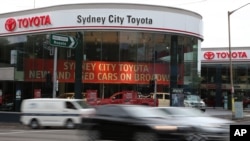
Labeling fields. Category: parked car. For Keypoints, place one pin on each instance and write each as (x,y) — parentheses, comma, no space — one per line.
(212,128)
(134,123)
(125,97)
(194,101)
(162,97)
(7,107)
(246,102)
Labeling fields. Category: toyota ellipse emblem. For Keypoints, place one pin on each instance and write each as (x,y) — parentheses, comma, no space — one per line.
(10,24)
(209,55)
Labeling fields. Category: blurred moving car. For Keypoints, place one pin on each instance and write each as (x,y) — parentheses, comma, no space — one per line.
(212,128)
(194,101)
(134,123)
(54,112)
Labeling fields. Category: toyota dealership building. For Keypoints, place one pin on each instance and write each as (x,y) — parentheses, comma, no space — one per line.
(215,73)
(106,48)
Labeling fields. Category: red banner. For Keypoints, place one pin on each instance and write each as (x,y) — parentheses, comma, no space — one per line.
(98,71)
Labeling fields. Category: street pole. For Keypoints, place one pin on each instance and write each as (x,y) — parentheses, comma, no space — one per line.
(54,72)
(230,59)
(155,89)
(78,67)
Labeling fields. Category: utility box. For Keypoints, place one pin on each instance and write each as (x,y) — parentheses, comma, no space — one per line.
(238,108)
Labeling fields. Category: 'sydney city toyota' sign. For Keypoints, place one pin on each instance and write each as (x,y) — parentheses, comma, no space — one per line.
(211,55)
(12,24)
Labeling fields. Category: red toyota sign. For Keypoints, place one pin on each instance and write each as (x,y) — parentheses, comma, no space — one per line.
(234,54)
(36,21)
(209,55)
(10,24)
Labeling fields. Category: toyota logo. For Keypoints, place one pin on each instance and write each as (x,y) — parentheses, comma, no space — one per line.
(209,55)
(10,24)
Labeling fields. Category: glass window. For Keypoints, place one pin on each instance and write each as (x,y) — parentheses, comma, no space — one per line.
(240,72)
(159,96)
(112,61)
(69,105)
(225,74)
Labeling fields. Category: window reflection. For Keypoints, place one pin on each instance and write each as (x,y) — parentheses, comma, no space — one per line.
(150,50)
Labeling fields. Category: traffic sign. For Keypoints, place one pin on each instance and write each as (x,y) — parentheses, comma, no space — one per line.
(62,41)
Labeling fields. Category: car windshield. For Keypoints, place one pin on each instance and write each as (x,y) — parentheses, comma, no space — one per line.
(144,112)
(193,97)
(188,112)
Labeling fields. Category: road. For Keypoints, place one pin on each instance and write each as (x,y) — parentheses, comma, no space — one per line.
(25,134)
(39,135)
(18,132)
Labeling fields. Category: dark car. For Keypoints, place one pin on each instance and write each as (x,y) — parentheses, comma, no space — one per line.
(212,128)
(246,102)
(7,107)
(133,123)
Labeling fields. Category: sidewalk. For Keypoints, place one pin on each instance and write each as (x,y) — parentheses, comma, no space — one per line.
(228,114)
(14,125)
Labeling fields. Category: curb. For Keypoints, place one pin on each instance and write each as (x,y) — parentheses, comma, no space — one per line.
(243,119)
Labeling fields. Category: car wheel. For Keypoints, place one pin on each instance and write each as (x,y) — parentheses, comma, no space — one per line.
(195,137)
(34,124)
(69,124)
(144,136)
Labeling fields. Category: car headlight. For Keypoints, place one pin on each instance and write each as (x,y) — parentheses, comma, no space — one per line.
(165,127)
(203,103)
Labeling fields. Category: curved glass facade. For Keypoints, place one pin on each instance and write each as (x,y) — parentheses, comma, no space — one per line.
(112,61)
(45,54)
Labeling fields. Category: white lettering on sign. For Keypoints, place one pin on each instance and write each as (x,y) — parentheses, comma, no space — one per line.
(60,38)
(240,132)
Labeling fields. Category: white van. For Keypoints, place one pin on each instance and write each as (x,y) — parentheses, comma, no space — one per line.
(163,98)
(53,112)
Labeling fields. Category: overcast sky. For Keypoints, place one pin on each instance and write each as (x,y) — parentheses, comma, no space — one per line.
(214,13)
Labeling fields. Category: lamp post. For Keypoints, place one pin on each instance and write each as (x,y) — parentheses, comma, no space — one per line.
(230,58)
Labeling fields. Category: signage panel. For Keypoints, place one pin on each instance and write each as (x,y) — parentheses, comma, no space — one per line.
(62,41)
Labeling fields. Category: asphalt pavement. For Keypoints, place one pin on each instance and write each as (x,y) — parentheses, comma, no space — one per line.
(217,112)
